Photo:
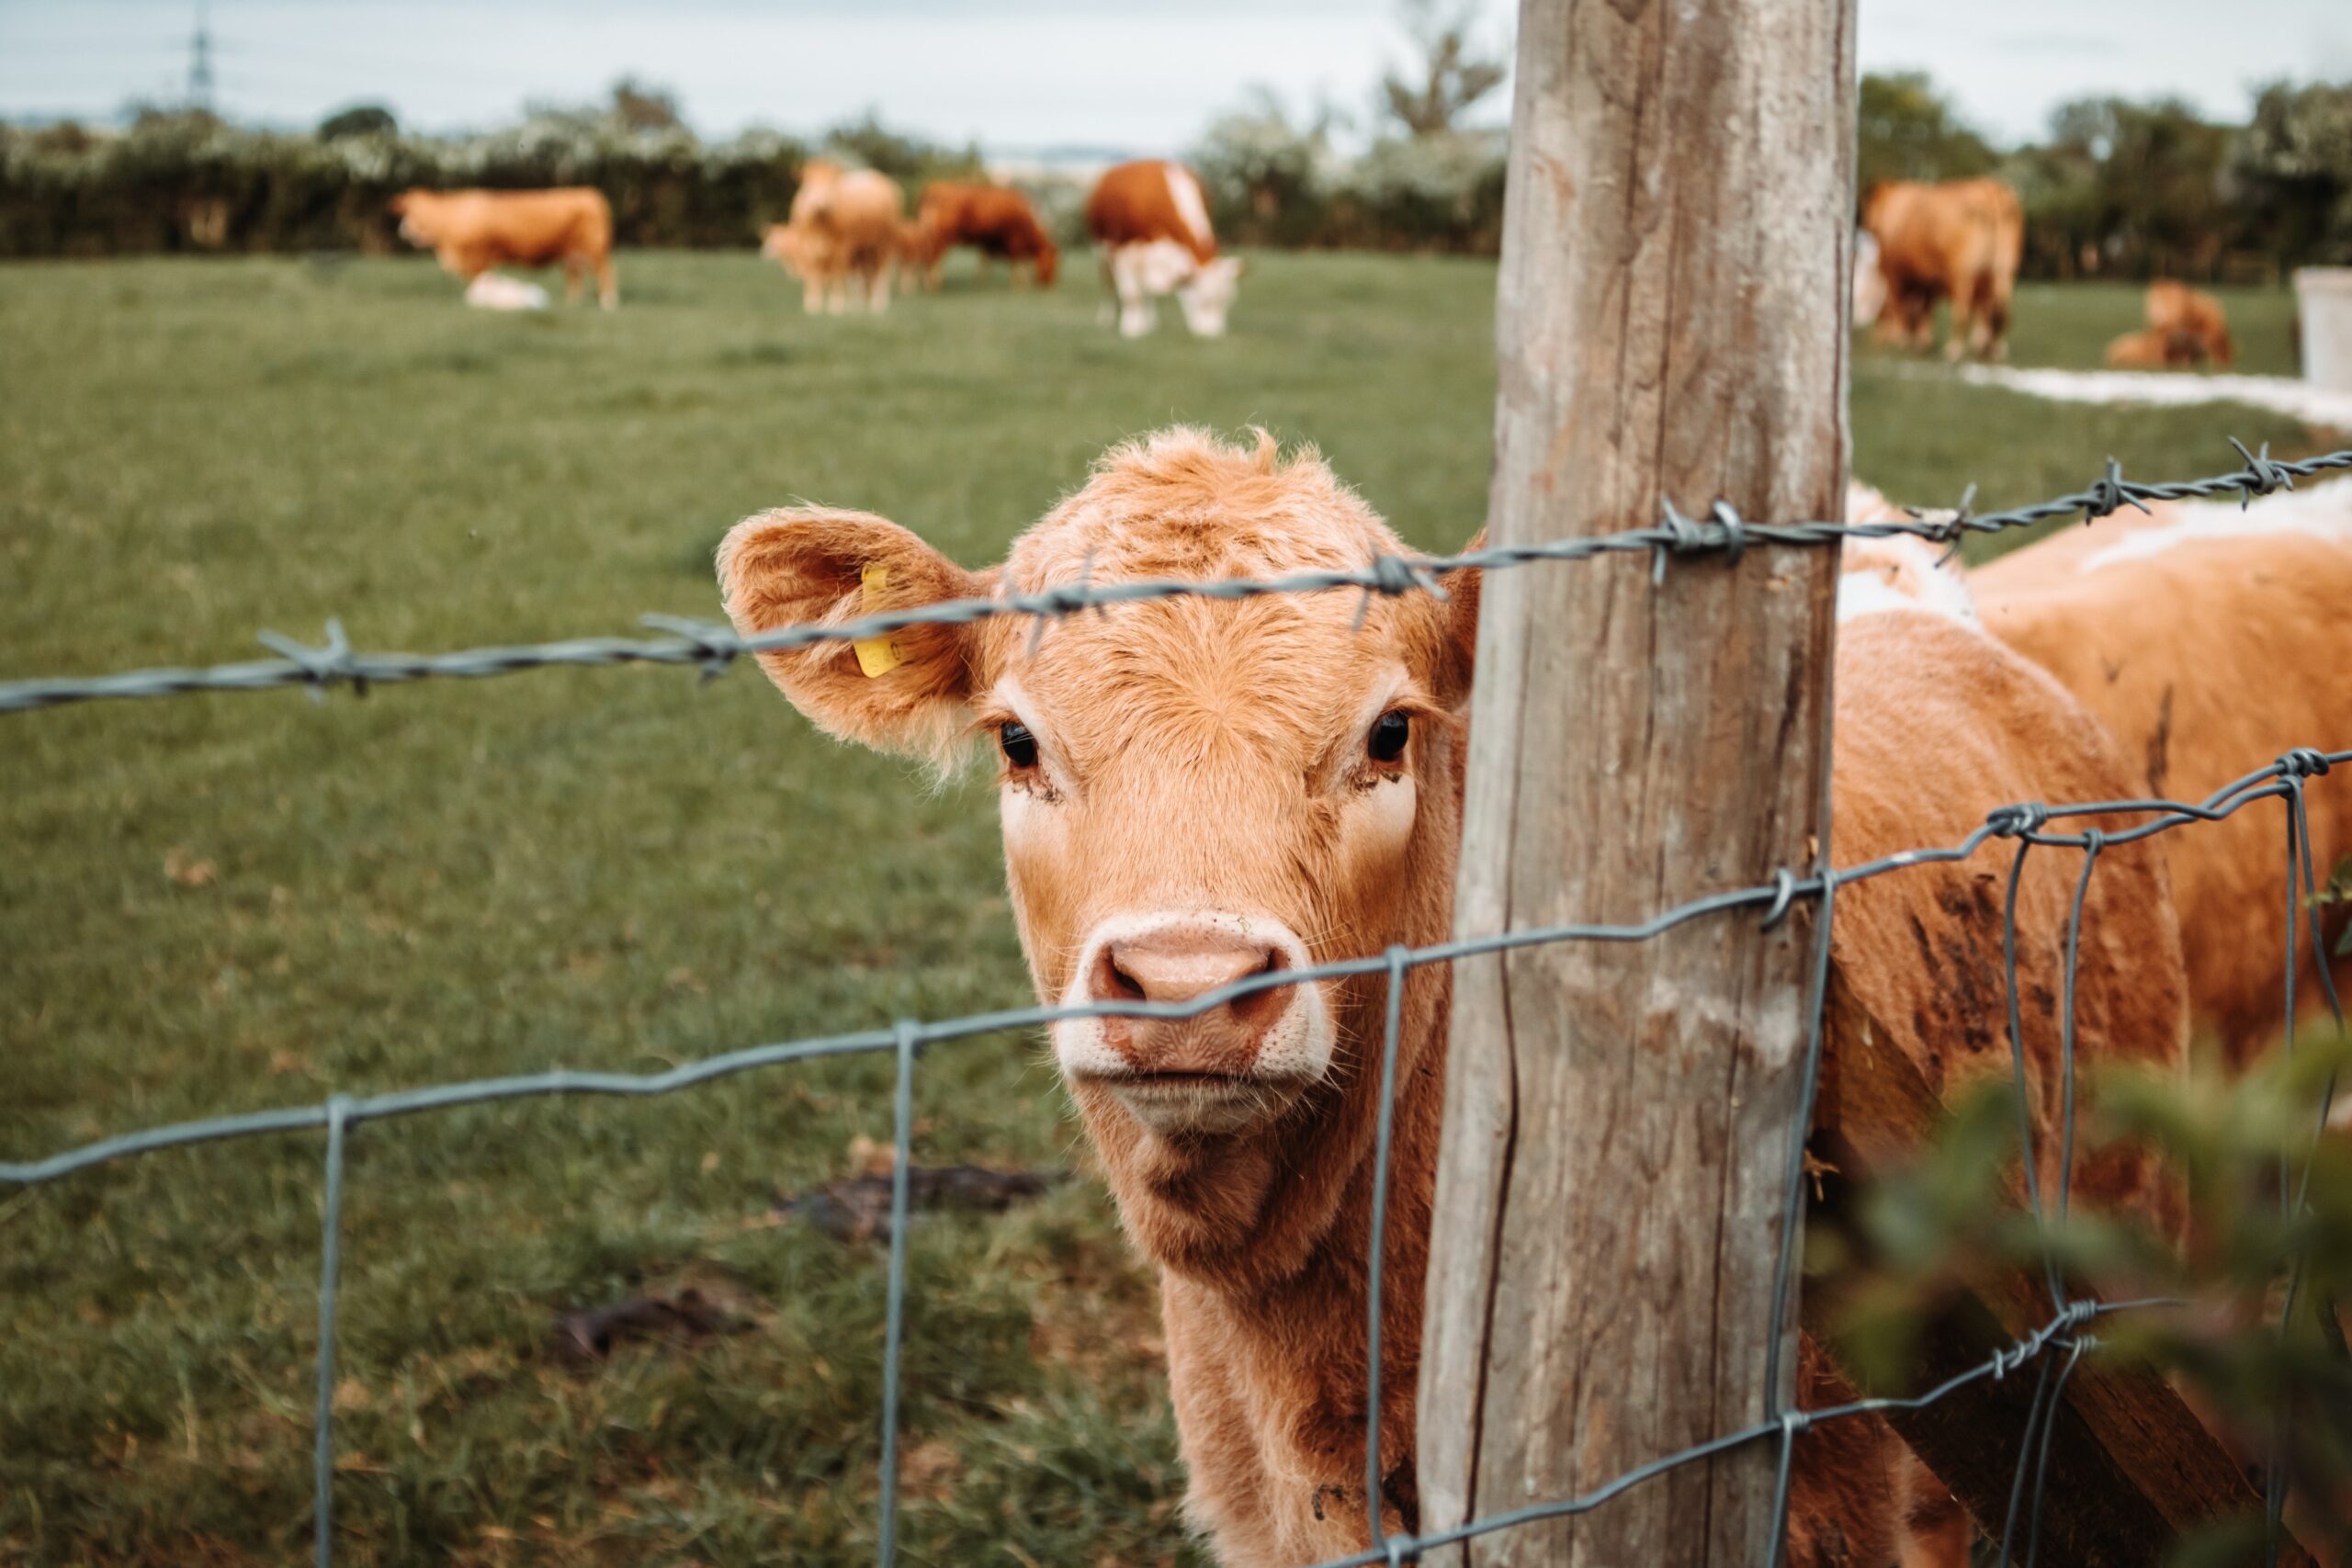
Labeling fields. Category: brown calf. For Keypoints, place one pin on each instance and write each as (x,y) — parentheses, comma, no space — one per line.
(2192,320)
(994,220)
(1196,791)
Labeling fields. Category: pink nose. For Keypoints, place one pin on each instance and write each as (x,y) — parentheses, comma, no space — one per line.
(1178,965)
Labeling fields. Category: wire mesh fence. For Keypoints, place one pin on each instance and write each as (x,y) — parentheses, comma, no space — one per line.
(2029,825)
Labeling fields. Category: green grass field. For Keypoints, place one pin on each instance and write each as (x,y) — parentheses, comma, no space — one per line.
(232,902)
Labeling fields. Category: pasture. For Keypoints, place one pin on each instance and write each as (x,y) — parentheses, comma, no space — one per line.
(232,902)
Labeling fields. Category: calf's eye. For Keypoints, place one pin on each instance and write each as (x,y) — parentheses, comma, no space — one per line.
(1020,746)
(1388,736)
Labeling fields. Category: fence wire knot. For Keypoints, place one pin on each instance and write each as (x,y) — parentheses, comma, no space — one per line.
(2262,474)
(321,667)
(1735,532)
(2110,492)
(1784,890)
(716,645)
(2303,763)
(1947,531)
(1401,1549)
(1682,535)
(2018,821)
(1393,576)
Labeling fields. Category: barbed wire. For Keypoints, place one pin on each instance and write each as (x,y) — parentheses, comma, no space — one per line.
(714,648)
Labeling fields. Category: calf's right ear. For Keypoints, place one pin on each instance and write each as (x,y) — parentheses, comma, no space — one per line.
(908,692)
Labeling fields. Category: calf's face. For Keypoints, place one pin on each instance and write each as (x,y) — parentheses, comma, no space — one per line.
(1192,790)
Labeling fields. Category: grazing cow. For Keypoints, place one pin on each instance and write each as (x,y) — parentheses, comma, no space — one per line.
(1150,221)
(2205,639)
(1195,791)
(2192,320)
(469,232)
(994,220)
(1960,240)
(843,238)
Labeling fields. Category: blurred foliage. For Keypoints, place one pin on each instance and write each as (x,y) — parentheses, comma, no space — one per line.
(2269,1238)
(359,120)
(1273,181)
(2293,167)
(177,180)
(2117,189)
(2137,188)
(1908,130)
(1455,70)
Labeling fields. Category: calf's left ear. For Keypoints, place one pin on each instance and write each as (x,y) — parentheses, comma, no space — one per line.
(908,692)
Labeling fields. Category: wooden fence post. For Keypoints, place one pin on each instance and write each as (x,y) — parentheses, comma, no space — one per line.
(1670,325)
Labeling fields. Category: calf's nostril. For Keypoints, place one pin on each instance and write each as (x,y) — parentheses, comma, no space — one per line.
(1123,985)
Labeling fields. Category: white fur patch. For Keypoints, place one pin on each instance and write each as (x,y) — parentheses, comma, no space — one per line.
(1901,572)
(1185,192)
(2323,511)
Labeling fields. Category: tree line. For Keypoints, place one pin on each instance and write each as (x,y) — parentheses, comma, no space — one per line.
(2118,188)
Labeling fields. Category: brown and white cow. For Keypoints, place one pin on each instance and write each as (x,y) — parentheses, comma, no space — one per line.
(2208,640)
(843,240)
(1194,791)
(469,232)
(1959,240)
(1150,222)
(996,221)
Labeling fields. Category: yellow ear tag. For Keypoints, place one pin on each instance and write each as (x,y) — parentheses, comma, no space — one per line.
(875,655)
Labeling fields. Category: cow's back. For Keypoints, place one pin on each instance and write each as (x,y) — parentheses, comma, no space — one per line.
(2207,651)
(527,228)
(1949,235)
(1150,199)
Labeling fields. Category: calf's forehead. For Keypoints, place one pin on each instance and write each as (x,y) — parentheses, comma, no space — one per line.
(1184,507)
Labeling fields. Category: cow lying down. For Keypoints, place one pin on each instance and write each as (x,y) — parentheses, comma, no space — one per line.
(2208,638)
(1195,791)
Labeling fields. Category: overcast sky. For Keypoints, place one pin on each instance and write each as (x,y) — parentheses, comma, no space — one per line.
(1142,75)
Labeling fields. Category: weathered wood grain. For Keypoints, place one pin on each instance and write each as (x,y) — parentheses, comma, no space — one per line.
(1670,325)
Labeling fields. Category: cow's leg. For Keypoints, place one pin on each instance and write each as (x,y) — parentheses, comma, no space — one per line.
(812,295)
(608,284)
(1138,308)
(575,275)
(878,290)
(1108,315)
(1963,324)
(1997,332)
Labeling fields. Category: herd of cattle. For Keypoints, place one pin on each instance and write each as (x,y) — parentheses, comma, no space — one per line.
(1195,791)
(849,237)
